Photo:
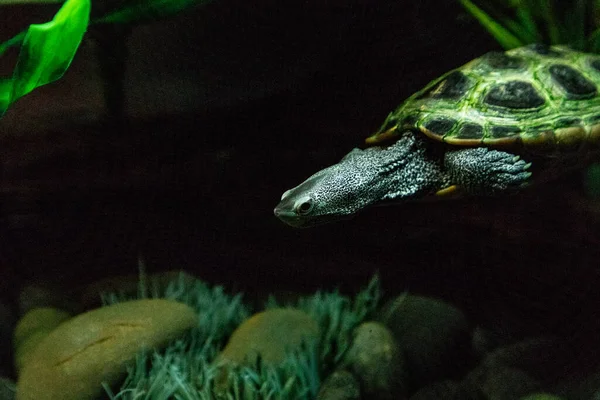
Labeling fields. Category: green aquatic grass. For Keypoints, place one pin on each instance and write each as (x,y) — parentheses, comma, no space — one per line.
(514,23)
(138,11)
(185,368)
(496,29)
(337,316)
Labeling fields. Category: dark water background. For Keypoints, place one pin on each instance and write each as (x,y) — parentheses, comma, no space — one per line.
(231,104)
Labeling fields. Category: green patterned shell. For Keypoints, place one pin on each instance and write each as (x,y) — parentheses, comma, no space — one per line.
(532,96)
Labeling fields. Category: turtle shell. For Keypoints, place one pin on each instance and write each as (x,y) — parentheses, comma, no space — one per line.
(533,96)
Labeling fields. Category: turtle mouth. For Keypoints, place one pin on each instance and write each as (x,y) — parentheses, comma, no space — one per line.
(294,220)
(289,217)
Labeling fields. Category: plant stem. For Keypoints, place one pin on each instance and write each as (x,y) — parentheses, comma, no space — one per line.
(15,41)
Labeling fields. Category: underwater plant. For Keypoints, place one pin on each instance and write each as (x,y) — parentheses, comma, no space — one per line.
(337,316)
(514,23)
(47,50)
(185,369)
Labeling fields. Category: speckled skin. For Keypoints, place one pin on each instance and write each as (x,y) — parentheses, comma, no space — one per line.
(411,168)
(464,133)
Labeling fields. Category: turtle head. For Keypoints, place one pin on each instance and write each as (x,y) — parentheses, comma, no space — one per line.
(331,194)
(361,179)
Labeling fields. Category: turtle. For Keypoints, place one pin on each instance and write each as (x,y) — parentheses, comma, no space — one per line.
(492,126)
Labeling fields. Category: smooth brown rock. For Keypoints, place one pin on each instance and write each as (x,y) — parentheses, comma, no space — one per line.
(75,358)
(542,396)
(340,385)
(376,359)
(578,387)
(434,336)
(512,371)
(508,384)
(32,328)
(269,333)
(564,367)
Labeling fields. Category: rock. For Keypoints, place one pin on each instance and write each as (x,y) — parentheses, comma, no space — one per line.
(377,362)
(446,390)
(530,355)
(340,385)
(544,359)
(516,370)
(541,396)
(7,389)
(433,335)
(77,356)
(584,386)
(507,383)
(484,341)
(32,328)
(269,333)
(558,364)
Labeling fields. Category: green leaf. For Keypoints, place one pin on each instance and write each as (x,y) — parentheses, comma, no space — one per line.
(593,42)
(15,41)
(575,21)
(524,35)
(5,89)
(500,33)
(528,23)
(553,26)
(147,10)
(46,52)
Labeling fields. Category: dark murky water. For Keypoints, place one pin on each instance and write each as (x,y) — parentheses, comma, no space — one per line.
(195,190)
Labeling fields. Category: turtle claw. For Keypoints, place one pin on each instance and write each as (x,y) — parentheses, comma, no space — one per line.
(504,175)
(525,184)
(483,171)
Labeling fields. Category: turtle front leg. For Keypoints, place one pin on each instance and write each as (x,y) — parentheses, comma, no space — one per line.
(482,171)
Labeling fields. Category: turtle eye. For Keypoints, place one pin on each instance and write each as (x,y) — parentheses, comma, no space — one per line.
(305,207)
